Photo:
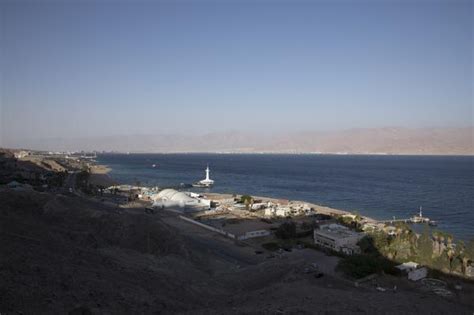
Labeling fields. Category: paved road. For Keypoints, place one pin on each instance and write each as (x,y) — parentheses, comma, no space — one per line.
(213,243)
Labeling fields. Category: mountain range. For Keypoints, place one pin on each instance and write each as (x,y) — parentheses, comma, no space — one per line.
(442,141)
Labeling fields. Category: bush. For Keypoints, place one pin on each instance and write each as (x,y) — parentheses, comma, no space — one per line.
(271,246)
(359,266)
(286,230)
(245,198)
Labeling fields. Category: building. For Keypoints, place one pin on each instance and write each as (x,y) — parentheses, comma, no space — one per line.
(338,238)
(253,234)
(413,270)
(245,229)
(173,198)
(206,182)
(21,154)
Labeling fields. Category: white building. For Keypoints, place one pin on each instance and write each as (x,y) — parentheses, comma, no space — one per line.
(21,154)
(338,238)
(283,211)
(206,182)
(173,198)
(414,271)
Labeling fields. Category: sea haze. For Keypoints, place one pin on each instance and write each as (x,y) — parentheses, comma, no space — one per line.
(377,186)
(421,141)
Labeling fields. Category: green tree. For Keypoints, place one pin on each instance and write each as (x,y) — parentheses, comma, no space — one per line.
(470,250)
(425,247)
(286,230)
(367,245)
(247,201)
(381,241)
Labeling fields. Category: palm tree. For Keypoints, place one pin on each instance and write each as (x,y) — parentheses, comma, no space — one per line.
(441,244)
(435,243)
(462,256)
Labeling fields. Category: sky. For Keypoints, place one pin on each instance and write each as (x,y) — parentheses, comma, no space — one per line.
(73,69)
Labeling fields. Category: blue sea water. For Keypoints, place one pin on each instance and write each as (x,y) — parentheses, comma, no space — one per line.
(377,186)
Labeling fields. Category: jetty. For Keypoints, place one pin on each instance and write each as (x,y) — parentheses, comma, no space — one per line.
(415,219)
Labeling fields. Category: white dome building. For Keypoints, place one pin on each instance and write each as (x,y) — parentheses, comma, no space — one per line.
(173,198)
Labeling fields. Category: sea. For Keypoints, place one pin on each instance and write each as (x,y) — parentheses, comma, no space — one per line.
(378,186)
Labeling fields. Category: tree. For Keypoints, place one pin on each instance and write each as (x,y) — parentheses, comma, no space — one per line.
(246,200)
(286,230)
(367,245)
(381,241)
(425,247)
(470,249)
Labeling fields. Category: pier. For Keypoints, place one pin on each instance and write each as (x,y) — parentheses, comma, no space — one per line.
(415,219)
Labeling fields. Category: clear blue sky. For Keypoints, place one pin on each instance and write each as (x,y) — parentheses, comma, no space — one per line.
(78,68)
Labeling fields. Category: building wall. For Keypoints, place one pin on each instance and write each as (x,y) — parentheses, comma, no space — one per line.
(417,274)
(253,234)
(348,244)
(324,241)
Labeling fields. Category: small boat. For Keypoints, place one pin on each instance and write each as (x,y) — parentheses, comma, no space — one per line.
(154,166)
(432,223)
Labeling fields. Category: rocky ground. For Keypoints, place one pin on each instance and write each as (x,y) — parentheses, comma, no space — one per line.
(66,254)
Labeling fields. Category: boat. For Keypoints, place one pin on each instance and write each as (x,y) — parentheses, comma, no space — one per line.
(154,165)
(433,223)
(205,183)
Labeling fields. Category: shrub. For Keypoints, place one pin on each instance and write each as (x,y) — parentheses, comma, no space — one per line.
(286,230)
(359,266)
(271,246)
(245,198)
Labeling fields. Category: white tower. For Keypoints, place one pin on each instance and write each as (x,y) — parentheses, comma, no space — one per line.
(207,173)
(207,182)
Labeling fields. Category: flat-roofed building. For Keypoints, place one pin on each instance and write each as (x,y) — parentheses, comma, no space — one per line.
(245,229)
(338,238)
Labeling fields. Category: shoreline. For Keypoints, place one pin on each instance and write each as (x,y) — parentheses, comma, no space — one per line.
(425,154)
(318,208)
(100,174)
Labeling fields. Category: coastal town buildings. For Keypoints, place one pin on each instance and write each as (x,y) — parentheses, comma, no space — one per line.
(338,238)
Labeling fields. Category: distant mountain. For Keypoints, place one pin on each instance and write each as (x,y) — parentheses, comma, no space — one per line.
(455,141)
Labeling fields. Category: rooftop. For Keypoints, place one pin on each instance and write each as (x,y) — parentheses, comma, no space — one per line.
(336,231)
(242,226)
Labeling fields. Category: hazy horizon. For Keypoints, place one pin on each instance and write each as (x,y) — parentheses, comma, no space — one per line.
(441,141)
(84,70)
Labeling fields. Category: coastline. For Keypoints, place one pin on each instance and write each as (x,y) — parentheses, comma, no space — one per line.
(100,176)
(318,208)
